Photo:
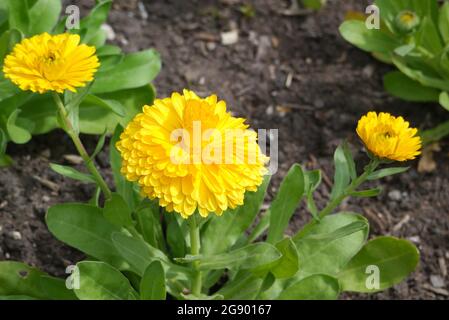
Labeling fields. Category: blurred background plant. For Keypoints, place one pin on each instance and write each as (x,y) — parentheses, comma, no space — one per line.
(414,37)
(122,84)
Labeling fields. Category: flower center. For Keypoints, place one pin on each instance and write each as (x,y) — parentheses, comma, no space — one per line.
(51,58)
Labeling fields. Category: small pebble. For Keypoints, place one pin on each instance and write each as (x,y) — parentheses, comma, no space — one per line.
(211,46)
(45,198)
(395,195)
(414,239)
(437,281)
(230,37)
(16,235)
(368,71)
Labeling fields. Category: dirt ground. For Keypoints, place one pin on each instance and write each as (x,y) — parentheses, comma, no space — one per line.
(292,73)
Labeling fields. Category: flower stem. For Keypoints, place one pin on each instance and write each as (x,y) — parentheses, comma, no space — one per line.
(351,188)
(68,128)
(195,250)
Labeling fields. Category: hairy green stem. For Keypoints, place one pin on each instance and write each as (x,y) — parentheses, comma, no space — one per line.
(195,250)
(68,128)
(351,188)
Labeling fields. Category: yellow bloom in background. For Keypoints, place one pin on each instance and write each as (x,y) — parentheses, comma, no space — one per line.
(51,63)
(191,154)
(389,137)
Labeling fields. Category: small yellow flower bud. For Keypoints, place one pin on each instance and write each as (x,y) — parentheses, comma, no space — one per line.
(407,21)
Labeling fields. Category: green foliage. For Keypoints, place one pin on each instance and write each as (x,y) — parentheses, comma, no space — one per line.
(18,279)
(143,254)
(101,281)
(152,285)
(414,36)
(394,258)
(121,86)
(314,4)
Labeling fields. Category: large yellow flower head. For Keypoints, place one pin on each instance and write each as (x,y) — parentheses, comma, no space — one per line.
(190,154)
(389,137)
(51,63)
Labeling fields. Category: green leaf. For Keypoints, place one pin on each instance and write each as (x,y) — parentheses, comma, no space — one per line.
(370,40)
(7,42)
(401,86)
(382,263)
(202,297)
(367,193)
(94,119)
(314,4)
(117,212)
(99,146)
(254,256)
(175,238)
(16,132)
(312,179)
(92,23)
(443,21)
(5,160)
(341,232)
(435,134)
(244,286)
(314,287)
(73,99)
(284,204)
(379,174)
(108,62)
(136,70)
(44,15)
(260,228)
(140,255)
(342,175)
(152,285)
(405,49)
(72,173)
(3,142)
(428,36)
(327,246)
(101,281)
(289,262)
(114,106)
(84,228)
(349,160)
(233,223)
(444,100)
(18,297)
(19,17)
(19,279)
(424,75)
(149,223)
(108,50)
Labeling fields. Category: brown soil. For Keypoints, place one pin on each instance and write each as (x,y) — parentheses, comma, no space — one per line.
(332,85)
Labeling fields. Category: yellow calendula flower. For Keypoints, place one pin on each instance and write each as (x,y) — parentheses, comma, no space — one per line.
(190,154)
(51,63)
(389,137)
